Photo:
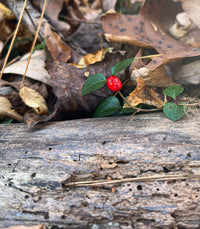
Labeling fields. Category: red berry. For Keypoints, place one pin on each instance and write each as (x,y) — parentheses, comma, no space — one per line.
(114,83)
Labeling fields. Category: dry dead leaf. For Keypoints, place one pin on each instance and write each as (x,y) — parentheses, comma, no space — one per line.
(34,100)
(41,226)
(7,13)
(7,111)
(155,78)
(59,51)
(5,30)
(145,95)
(150,29)
(71,15)
(36,69)
(91,58)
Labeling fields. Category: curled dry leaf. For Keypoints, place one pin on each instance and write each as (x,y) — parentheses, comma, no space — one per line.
(59,51)
(91,58)
(145,95)
(34,100)
(156,77)
(7,111)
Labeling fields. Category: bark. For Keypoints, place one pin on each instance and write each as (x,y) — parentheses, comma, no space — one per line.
(124,172)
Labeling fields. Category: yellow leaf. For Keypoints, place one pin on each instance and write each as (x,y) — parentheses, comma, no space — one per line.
(7,111)
(92,58)
(145,95)
(7,13)
(34,100)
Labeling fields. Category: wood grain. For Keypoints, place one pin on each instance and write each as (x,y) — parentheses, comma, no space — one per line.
(46,175)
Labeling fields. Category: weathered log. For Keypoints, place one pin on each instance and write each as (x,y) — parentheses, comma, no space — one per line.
(125,172)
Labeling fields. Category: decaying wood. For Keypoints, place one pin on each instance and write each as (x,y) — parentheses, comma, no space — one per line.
(125,172)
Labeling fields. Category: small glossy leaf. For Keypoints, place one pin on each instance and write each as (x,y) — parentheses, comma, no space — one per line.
(118,67)
(173,91)
(108,107)
(93,83)
(174,112)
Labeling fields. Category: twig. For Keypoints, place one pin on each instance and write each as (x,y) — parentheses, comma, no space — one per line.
(34,42)
(13,39)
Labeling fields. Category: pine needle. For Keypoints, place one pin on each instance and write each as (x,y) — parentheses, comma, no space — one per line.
(34,42)
(13,39)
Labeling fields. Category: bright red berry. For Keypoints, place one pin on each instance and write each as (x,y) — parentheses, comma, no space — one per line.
(114,83)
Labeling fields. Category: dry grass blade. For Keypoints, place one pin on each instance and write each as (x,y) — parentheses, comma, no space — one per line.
(136,179)
(13,39)
(34,42)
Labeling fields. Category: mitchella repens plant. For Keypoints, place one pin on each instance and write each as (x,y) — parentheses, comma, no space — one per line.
(112,104)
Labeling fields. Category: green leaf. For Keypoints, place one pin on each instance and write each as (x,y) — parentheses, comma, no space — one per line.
(93,83)
(108,107)
(173,91)
(127,110)
(174,112)
(118,67)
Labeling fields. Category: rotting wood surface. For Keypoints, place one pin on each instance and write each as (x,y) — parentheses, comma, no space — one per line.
(153,166)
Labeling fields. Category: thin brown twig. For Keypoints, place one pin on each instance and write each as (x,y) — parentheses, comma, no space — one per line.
(13,39)
(34,42)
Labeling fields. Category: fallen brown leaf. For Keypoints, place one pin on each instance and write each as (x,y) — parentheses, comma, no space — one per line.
(145,95)
(91,58)
(34,100)
(59,51)
(36,70)
(150,29)
(6,110)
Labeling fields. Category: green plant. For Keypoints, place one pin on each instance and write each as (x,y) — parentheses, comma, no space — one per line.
(111,105)
(174,111)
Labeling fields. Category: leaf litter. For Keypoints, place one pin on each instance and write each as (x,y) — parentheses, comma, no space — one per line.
(73,41)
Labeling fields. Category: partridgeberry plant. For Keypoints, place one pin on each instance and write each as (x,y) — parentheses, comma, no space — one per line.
(112,104)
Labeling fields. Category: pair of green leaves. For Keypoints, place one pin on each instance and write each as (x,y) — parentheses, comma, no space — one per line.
(173,111)
(98,80)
